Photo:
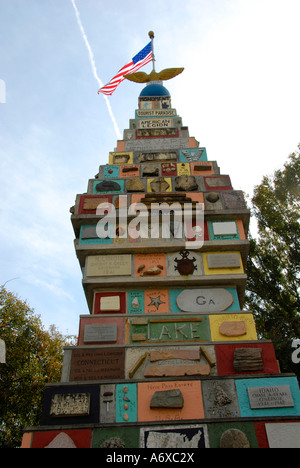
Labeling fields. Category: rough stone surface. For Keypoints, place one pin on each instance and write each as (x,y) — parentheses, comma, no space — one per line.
(234,438)
(167,399)
(234,328)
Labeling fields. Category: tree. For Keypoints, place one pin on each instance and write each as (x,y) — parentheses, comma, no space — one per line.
(33,358)
(273,292)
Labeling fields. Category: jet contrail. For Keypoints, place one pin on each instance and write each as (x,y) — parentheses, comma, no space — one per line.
(91,55)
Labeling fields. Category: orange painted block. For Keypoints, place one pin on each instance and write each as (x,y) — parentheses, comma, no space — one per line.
(193,142)
(156,301)
(153,265)
(120,145)
(192,396)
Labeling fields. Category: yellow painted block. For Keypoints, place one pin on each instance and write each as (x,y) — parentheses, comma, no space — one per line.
(222,263)
(227,327)
(121,157)
(165,184)
(183,169)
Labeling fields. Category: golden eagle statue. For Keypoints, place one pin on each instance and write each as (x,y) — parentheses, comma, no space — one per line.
(166,74)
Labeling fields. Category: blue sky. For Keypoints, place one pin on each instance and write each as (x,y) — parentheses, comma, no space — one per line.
(239,96)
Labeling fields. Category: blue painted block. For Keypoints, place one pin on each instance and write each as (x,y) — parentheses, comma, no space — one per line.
(88,235)
(244,401)
(126,402)
(111,172)
(137,296)
(193,155)
(108,186)
(225,236)
(175,292)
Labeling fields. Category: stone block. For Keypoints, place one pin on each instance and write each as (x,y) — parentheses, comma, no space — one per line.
(108,265)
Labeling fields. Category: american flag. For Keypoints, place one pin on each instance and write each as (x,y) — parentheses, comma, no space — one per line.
(138,61)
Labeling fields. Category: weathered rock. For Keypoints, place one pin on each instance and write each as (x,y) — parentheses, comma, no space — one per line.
(233,438)
(159,184)
(167,399)
(135,185)
(185,183)
(234,328)
(247,360)
(108,186)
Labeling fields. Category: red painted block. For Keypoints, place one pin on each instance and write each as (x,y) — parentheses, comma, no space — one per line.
(225,354)
(80,438)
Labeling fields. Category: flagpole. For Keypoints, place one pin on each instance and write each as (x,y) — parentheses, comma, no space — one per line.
(151,35)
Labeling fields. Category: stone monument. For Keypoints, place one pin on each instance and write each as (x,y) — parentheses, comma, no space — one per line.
(167,358)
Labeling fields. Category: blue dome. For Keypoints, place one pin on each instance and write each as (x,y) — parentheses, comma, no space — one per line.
(154,89)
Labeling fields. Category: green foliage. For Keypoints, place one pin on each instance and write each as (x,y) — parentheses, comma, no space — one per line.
(33,358)
(273,288)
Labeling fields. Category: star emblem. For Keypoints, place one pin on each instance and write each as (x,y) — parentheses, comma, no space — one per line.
(155,301)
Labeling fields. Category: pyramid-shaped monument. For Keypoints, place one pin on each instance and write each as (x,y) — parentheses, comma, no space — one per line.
(167,357)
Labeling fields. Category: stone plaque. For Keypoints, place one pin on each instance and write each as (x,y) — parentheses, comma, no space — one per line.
(110,303)
(97,364)
(155,113)
(156,123)
(70,404)
(224,228)
(89,232)
(100,333)
(231,260)
(204,300)
(278,396)
(283,435)
(108,265)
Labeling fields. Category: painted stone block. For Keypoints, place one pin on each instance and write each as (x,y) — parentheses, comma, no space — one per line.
(155,103)
(163,122)
(159,144)
(204,300)
(155,113)
(193,155)
(217,183)
(220,263)
(96,330)
(121,157)
(241,327)
(192,397)
(139,360)
(77,438)
(233,200)
(220,399)
(283,435)
(232,435)
(270,395)
(110,302)
(213,201)
(108,186)
(97,364)
(88,235)
(223,230)
(135,301)
(225,358)
(116,437)
(159,156)
(107,403)
(111,172)
(179,436)
(108,265)
(157,133)
(169,330)
(159,184)
(128,171)
(70,404)
(202,168)
(126,402)
(150,265)
(88,203)
(185,263)
(156,301)
(183,169)
(168,169)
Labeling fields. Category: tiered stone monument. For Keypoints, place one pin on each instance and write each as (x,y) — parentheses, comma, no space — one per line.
(167,357)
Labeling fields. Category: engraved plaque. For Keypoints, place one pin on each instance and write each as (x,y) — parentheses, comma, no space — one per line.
(100,333)
(97,364)
(270,397)
(70,404)
(223,260)
(108,265)
(110,303)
